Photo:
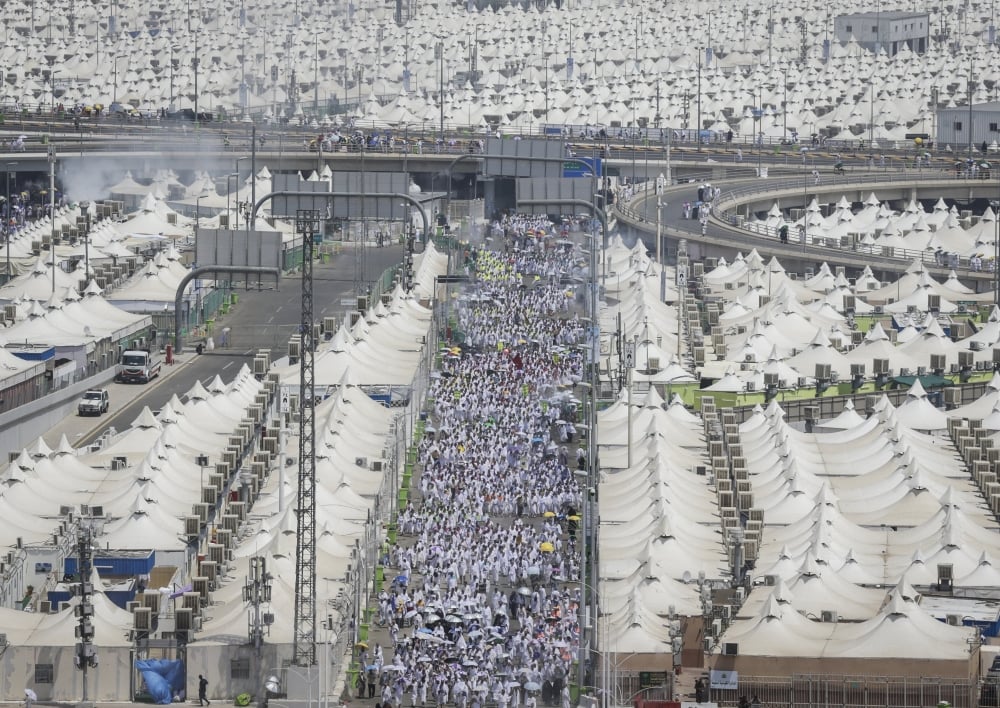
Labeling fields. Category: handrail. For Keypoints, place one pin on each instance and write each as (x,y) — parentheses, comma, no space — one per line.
(821,244)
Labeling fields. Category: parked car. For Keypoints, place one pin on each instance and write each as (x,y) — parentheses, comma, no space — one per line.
(95,401)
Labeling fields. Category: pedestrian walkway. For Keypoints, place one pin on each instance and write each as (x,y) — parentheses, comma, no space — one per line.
(478,600)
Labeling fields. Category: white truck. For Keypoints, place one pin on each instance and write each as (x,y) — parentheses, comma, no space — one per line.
(138,365)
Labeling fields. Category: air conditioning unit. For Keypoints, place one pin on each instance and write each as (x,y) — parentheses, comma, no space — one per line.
(142,619)
(749,358)
(823,371)
(879,310)
(944,575)
(933,303)
(377,465)
(3,639)
(751,387)
(857,370)
(802,382)
(653,363)
(954,620)
(45,607)
(97,511)
(904,371)
(770,380)
(361,461)
(184,619)
(966,360)
(119,462)
(937,362)
(731,649)
(921,371)
(962,309)
(828,616)
(770,580)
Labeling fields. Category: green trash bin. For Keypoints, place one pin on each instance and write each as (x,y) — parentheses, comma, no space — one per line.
(234,298)
(404,496)
(363,632)
(407,481)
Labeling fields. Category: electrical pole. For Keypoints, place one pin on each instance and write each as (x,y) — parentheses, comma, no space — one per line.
(304,653)
(86,656)
(256,592)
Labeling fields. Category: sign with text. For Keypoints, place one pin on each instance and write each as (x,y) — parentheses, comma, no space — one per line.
(724,680)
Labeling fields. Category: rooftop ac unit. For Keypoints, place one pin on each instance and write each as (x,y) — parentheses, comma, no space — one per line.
(142,618)
(954,620)
(361,461)
(731,649)
(377,465)
(751,386)
(770,580)
(119,462)
(879,310)
(828,616)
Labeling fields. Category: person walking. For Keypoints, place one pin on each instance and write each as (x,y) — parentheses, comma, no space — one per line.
(203,691)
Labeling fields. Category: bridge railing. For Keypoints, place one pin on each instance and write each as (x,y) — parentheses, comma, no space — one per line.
(724,209)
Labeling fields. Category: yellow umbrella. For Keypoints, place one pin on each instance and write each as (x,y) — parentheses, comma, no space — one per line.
(549,514)
(546,547)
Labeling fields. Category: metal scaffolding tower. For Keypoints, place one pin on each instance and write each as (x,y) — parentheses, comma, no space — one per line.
(307,225)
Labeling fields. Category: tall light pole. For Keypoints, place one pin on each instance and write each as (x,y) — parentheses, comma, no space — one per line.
(238,161)
(228,192)
(697,127)
(8,213)
(85,208)
(52,212)
(439,55)
(194,63)
(972,87)
(114,93)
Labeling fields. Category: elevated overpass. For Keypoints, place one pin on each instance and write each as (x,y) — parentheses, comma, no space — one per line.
(725,235)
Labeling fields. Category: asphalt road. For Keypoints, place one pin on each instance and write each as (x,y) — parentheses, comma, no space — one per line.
(262,318)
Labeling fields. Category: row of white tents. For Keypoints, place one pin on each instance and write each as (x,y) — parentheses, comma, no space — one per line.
(389,68)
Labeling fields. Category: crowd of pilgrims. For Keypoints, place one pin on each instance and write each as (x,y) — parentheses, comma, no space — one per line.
(485,604)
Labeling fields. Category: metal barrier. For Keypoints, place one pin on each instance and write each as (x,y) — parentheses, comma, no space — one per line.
(832,691)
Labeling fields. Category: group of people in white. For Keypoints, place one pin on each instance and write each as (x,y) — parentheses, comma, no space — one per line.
(485,604)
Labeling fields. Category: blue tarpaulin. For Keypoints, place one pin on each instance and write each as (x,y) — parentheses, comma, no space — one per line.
(164,678)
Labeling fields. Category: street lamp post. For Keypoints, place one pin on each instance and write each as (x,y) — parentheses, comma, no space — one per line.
(85,208)
(228,192)
(114,92)
(238,161)
(194,63)
(8,213)
(439,55)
